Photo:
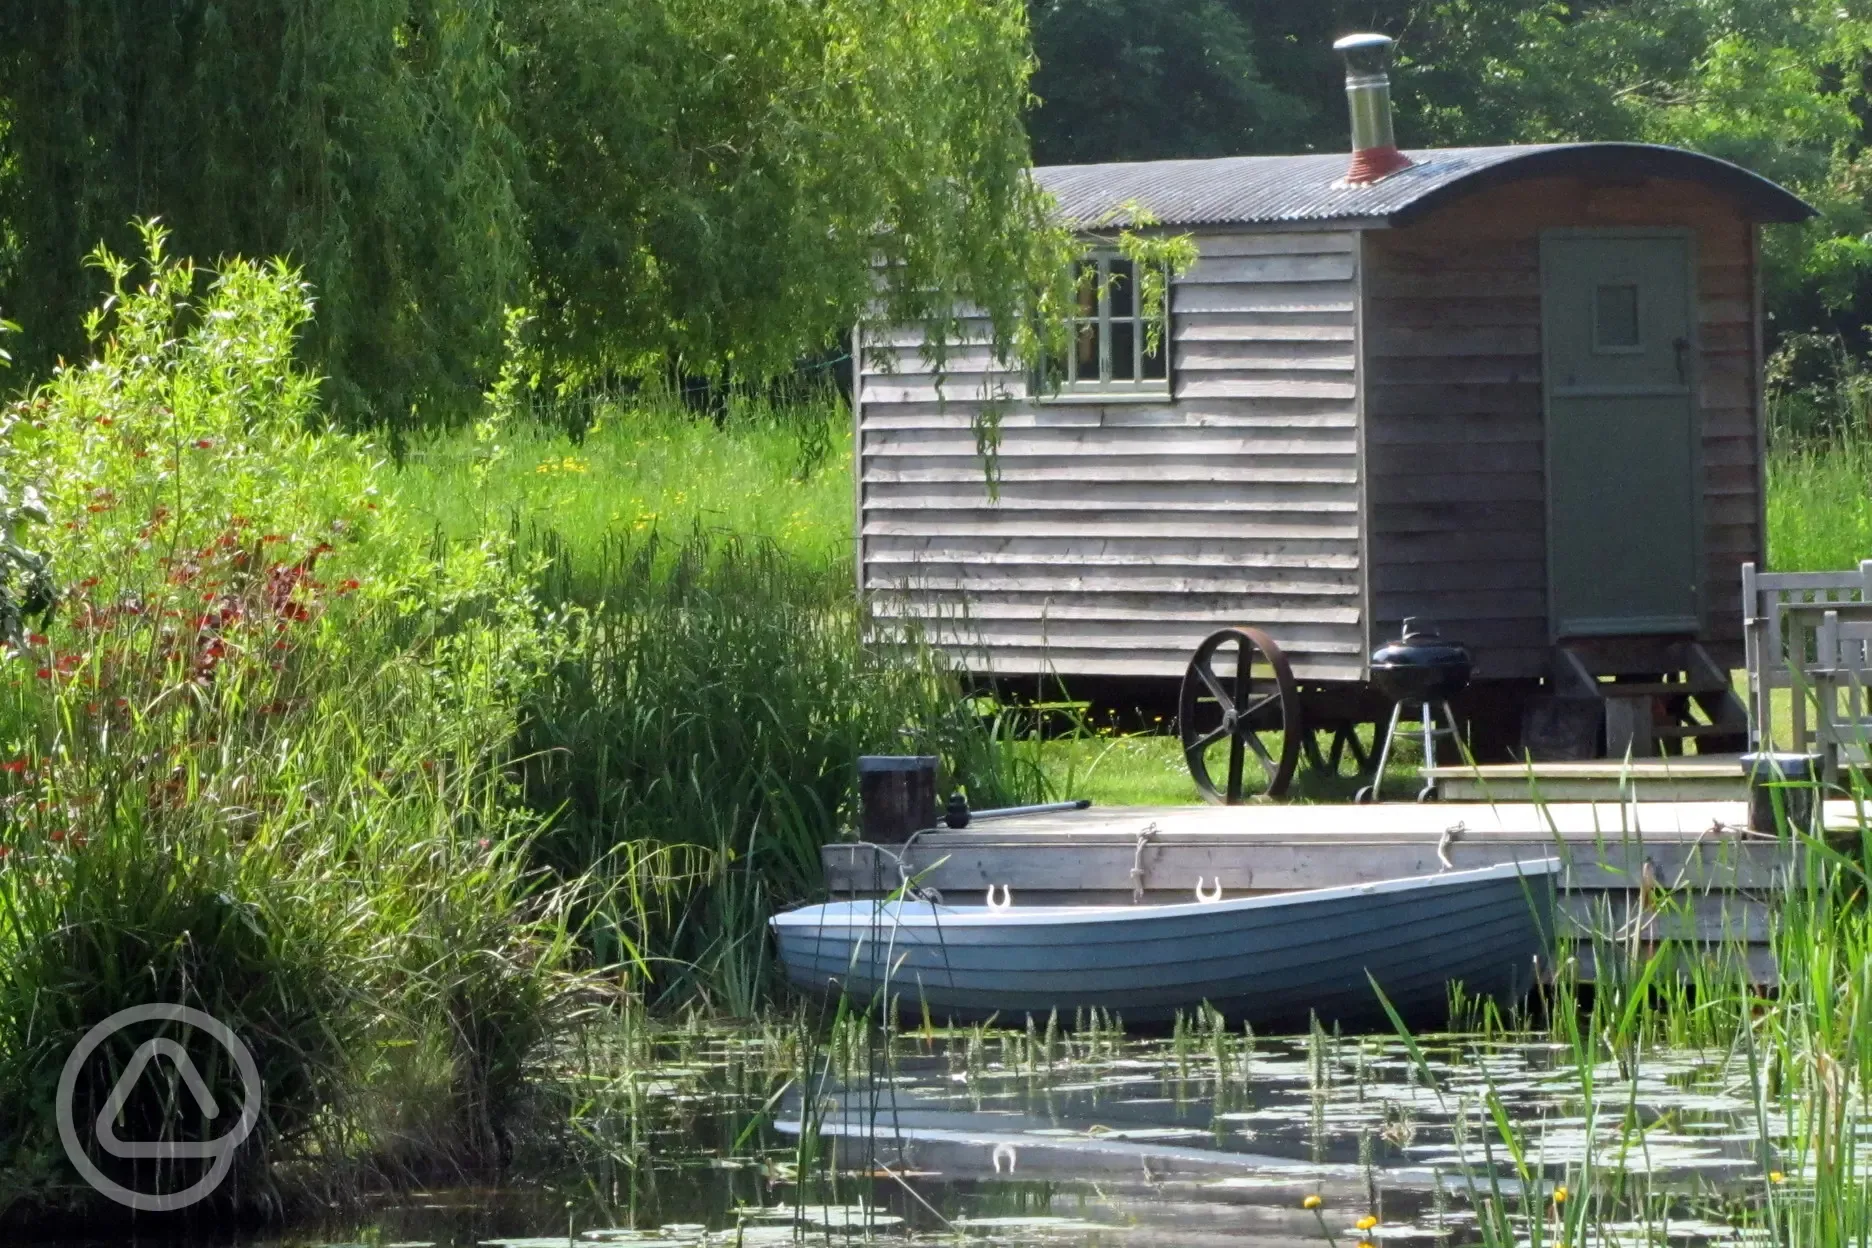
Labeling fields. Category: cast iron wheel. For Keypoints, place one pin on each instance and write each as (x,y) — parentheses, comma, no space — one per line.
(1333,749)
(1257,708)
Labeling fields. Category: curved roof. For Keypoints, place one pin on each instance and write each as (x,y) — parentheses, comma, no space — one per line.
(1232,190)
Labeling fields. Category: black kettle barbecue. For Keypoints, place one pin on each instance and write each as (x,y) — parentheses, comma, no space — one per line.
(1424,670)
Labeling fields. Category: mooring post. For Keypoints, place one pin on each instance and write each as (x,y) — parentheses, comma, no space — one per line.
(896,796)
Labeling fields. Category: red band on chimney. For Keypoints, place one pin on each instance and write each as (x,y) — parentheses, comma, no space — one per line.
(1371,163)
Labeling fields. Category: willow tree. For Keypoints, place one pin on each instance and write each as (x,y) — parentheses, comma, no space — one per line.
(362,138)
(709,183)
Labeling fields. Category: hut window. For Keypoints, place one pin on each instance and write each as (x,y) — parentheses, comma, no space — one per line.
(1615,319)
(1110,350)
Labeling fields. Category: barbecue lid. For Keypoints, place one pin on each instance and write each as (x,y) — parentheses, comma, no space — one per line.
(1421,646)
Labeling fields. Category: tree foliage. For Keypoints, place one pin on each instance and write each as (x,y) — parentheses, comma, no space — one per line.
(1779,87)
(681,182)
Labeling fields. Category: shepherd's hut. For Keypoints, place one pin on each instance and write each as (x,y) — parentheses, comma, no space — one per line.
(1515,390)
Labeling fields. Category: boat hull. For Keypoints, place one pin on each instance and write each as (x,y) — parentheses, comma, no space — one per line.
(1276,961)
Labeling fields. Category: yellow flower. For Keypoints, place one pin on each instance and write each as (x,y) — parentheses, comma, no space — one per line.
(1366,1223)
(1312,1201)
(1366,1243)
(1775,1176)
(1560,1195)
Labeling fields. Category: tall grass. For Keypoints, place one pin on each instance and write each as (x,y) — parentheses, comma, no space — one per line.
(258,763)
(1820,502)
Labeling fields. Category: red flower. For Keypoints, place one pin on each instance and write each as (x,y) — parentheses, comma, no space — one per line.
(348,584)
(204,444)
(272,537)
(56,835)
(105,421)
(5,852)
(70,663)
(14,766)
(37,639)
(44,673)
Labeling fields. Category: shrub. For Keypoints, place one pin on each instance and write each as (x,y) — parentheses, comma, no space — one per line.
(258,761)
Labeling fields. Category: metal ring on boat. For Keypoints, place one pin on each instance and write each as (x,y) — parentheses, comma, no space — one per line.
(1007,898)
(1208,897)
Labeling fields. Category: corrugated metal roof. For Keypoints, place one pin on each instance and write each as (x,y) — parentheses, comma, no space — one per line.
(1267,189)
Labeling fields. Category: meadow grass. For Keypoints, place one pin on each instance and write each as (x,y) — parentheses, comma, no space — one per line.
(762,473)
(1820,503)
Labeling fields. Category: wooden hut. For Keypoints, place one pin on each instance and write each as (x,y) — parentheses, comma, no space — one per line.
(1515,390)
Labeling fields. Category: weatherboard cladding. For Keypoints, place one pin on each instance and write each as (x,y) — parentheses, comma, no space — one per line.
(1124,533)
(1250,190)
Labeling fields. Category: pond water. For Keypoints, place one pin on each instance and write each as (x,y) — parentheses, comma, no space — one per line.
(1204,1137)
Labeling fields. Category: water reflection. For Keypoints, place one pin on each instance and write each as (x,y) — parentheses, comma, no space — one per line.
(1201,1138)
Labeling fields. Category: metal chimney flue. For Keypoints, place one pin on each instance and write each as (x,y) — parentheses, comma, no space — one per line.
(1375,152)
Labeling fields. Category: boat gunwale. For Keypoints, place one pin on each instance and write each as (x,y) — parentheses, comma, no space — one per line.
(869,913)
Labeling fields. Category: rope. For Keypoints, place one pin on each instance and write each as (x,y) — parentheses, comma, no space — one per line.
(1450,836)
(1144,835)
(911,892)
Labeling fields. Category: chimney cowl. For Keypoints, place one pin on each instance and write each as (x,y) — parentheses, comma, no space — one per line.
(1375,152)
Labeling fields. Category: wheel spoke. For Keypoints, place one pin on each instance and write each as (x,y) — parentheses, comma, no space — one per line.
(1203,742)
(1215,687)
(1235,768)
(1261,751)
(1270,700)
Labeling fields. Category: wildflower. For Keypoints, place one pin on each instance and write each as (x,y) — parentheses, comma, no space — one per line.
(6,852)
(1560,1194)
(105,421)
(44,673)
(1775,1176)
(484,842)
(269,538)
(56,836)
(204,444)
(36,639)
(14,766)
(1311,1201)
(349,584)
(1366,1223)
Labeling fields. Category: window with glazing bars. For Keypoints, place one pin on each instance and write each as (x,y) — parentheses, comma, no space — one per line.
(1110,351)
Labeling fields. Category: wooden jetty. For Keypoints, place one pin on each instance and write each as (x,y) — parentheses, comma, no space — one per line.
(1635,873)
(1684,778)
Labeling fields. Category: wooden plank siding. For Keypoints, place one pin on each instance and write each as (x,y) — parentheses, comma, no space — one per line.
(1455,432)
(1125,532)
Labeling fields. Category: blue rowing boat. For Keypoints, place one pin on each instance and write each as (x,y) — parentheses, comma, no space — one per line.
(1272,959)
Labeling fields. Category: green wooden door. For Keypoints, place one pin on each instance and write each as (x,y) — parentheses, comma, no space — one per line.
(1619,346)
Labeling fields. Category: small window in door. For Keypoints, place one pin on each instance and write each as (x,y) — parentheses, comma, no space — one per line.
(1615,319)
